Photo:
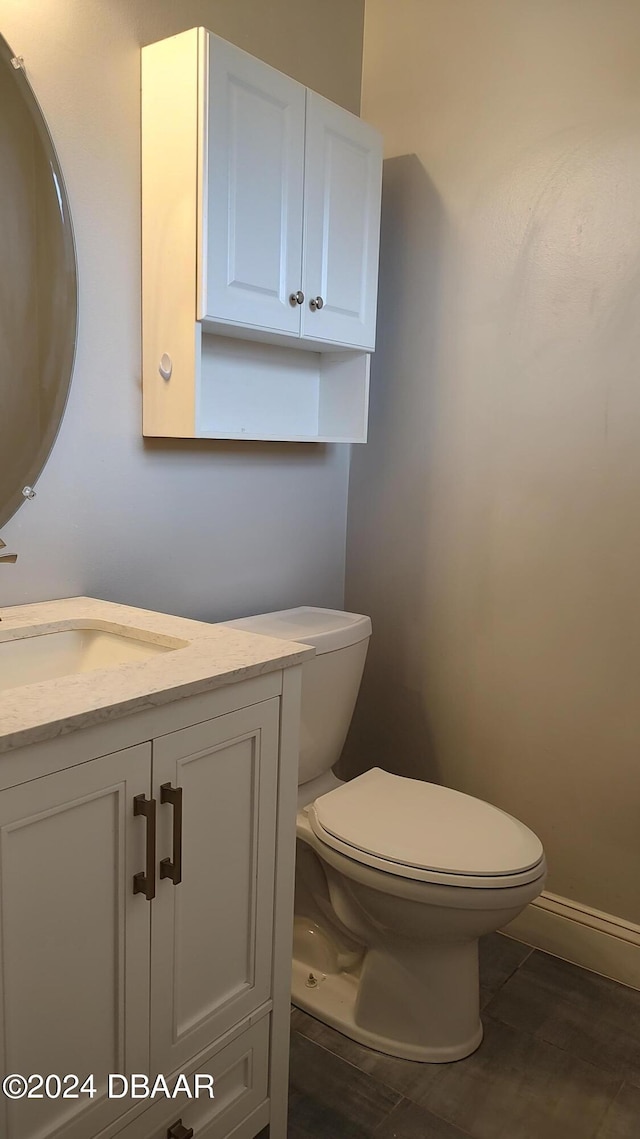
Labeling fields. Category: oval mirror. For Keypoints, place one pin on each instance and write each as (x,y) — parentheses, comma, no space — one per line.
(38,287)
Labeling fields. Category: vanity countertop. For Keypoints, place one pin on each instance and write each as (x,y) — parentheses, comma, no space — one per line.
(212,657)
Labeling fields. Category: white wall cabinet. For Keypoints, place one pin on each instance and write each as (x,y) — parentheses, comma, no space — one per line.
(144,942)
(261,215)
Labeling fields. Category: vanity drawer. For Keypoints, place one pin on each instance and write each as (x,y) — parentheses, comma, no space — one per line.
(240,1075)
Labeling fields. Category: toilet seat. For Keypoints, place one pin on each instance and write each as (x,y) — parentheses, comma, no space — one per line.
(426,832)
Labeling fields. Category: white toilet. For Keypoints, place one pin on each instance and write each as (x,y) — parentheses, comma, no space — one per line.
(396,879)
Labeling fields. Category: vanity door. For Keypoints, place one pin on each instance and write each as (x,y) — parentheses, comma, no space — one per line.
(74,942)
(211,931)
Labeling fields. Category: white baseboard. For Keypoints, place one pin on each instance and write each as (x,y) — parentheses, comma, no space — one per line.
(600,942)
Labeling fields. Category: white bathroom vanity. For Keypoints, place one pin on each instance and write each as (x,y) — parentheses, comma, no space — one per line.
(148,778)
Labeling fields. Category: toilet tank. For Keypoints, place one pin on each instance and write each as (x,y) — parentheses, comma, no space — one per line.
(330,680)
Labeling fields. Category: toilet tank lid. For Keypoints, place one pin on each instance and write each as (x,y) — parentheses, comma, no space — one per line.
(325,629)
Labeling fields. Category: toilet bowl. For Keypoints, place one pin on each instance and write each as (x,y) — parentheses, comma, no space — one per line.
(415,874)
(396,879)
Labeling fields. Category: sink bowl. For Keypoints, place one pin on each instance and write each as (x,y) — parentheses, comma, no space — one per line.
(38,656)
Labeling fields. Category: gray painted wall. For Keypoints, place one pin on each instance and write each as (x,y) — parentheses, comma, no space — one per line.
(493,525)
(202,529)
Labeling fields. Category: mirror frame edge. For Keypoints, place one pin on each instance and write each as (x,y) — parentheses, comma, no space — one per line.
(9,508)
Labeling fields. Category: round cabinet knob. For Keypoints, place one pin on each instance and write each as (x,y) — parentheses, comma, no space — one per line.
(296,298)
(316,303)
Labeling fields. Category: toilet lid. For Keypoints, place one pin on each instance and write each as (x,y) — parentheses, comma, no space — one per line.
(424,831)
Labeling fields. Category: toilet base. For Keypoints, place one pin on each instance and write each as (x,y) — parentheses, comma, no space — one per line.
(333,1000)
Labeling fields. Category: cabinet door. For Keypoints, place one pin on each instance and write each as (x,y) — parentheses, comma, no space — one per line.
(252,186)
(211,934)
(343,176)
(74,939)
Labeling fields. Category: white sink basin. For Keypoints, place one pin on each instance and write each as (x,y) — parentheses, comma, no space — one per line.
(38,656)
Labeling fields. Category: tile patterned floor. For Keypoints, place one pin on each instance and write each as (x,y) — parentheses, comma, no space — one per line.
(560,1060)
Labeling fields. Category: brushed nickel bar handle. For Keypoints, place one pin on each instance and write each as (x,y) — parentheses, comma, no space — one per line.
(172,867)
(145,881)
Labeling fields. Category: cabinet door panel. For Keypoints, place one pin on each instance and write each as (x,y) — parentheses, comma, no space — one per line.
(74,940)
(211,934)
(343,173)
(253,154)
